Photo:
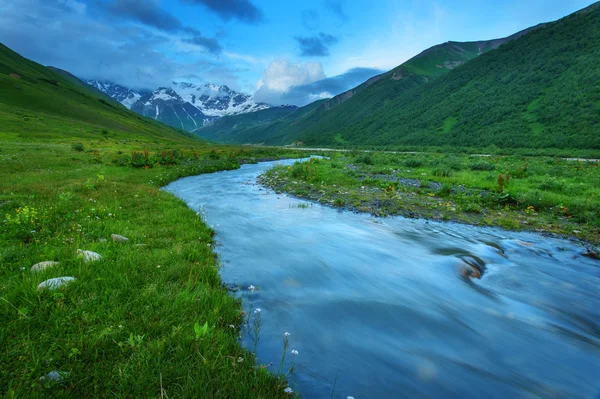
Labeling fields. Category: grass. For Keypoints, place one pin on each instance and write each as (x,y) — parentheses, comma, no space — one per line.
(542,194)
(129,324)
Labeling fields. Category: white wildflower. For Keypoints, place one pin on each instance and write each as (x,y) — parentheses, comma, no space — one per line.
(287,334)
(257,310)
(288,390)
(294,352)
(251,288)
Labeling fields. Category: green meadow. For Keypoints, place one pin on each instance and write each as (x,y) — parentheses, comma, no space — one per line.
(542,194)
(152,317)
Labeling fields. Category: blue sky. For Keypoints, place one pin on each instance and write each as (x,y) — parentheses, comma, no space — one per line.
(285,51)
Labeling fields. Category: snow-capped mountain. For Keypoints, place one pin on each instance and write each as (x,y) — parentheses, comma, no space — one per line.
(184,105)
(165,105)
(122,94)
(217,101)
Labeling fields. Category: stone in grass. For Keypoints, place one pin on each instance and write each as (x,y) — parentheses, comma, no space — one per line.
(102,240)
(88,256)
(38,267)
(118,238)
(55,376)
(55,283)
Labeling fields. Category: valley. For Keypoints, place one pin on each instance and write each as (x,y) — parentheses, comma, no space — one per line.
(207,199)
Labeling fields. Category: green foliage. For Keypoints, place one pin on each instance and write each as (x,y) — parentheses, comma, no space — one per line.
(77,147)
(481,166)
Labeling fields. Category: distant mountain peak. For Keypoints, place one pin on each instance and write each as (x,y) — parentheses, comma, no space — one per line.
(217,100)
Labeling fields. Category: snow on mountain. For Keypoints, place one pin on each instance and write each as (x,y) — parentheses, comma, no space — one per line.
(165,105)
(217,101)
(122,94)
(184,105)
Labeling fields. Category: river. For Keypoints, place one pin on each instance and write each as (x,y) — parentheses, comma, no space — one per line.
(379,307)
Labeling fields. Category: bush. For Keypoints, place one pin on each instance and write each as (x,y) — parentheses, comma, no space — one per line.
(366,159)
(77,147)
(414,162)
(482,166)
(442,172)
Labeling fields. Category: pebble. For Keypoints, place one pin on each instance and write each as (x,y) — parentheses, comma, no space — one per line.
(38,267)
(88,256)
(55,376)
(55,283)
(119,238)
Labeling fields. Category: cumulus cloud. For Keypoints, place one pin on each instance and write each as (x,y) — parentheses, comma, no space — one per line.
(243,10)
(316,46)
(284,82)
(281,74)
(328,87)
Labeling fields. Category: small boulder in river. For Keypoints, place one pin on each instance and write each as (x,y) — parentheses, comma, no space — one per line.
(88,256)
(55,283)
(38,267)
(118,238)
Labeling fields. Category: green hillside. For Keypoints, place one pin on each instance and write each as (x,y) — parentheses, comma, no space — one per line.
(358,102)
(539,90)
(38,103)
(78,82)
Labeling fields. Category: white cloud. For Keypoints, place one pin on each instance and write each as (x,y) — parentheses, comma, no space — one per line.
(281,74)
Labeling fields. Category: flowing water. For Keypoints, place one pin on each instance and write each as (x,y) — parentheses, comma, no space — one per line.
(379,307)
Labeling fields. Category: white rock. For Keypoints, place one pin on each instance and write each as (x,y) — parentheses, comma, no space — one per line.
(118,238)
(56,376)
(88,256)
(38,267)
(55,283)
(102,240)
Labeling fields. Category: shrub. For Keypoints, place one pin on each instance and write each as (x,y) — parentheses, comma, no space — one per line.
(414,162)
(77,147)
(482,166)
(442,172)
(366,159)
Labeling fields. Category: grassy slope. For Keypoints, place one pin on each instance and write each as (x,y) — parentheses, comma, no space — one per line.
(351,107)
(125,328)
(538,91)
(44,104)
(226,129)
(74,79)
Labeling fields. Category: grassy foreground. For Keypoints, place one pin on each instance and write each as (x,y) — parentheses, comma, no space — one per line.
(152,317)
(542,194)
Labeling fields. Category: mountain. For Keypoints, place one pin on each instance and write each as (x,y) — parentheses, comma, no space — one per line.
(122,94)
(535,89)
(165,105)
(39,103)
(231,128)
(368,97)
(217,101)
(539,90)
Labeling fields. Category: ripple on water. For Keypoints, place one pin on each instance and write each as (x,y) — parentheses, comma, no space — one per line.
(386,308)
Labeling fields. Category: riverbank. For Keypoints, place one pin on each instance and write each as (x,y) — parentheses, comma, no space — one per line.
(152,317)
(544,195)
